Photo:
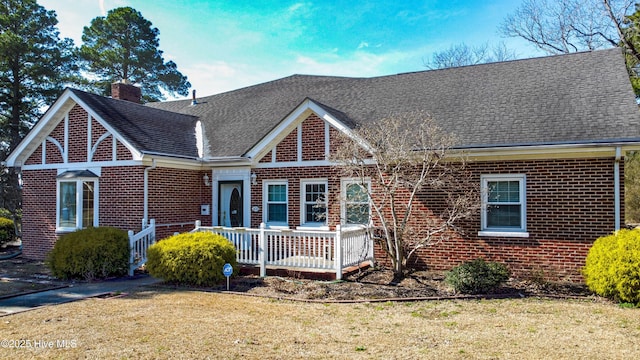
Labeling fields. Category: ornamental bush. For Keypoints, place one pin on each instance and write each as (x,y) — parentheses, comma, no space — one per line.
(7,231)
(477,276)
(612,267)
(90,253)
(191,258)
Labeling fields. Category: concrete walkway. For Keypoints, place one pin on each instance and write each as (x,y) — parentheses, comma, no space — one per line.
(71,293)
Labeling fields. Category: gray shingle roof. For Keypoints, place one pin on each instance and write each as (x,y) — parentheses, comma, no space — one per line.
(149,130)
(575,98)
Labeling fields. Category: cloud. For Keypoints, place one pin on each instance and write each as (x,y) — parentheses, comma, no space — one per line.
(103,10)
(363,45)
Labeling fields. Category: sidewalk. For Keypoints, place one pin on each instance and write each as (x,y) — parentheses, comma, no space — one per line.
(72,293)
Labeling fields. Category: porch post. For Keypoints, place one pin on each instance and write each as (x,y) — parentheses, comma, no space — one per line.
(337,251)
(131,252)
(262,247)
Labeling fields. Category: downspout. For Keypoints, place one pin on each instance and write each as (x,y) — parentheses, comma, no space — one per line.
(616,187)
(145,217)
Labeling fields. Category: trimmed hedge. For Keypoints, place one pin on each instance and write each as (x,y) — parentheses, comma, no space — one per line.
(191,258)
(477,276)
(612,267)
(90,254)
(7,230)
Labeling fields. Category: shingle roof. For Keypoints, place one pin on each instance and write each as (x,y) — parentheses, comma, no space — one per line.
(149,130)
(576,98)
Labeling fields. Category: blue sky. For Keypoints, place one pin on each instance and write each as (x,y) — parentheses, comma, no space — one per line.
(226,45)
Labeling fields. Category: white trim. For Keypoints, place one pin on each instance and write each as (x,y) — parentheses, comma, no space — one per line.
(507,231)
(299,143)
(265,203)
(231,174)
(79,182)
(57,144)
(303,192)
(327,140)
(65,154)
(60,109)
(289,123)
(616,189)
(514,234)
(44,152)
(89,152)
(114,149)
(82,165)
(93,149)
(343,198)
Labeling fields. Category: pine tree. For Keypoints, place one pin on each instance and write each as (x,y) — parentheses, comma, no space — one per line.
(124,46)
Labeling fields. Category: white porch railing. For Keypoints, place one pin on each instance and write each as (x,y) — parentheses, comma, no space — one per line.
(308,249)
(139,243)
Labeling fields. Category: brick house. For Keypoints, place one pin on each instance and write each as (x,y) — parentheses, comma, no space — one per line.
(553,131)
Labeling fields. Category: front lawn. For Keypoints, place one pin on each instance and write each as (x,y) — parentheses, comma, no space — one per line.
(161,323)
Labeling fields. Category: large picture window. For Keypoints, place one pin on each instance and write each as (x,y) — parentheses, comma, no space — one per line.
(356,209)
(77,200)
(276,200)
(314,202)
(503,205)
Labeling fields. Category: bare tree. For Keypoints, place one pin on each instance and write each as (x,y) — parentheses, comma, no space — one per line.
(462,55)
(420,188)
(564,26)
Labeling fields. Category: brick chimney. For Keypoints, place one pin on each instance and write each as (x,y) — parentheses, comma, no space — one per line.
(124,90)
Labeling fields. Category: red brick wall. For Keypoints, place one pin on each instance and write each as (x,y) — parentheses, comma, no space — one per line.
(569,204)
(313,139)
(38,212)
(78,121)
(121,197)
(287,149)
(294,176)
(175,196)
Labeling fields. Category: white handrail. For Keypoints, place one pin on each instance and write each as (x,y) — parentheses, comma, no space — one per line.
(139,243)
(305,249)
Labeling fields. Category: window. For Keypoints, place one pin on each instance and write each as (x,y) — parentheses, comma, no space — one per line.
(77,200)
(276,202)
(356,208)
(503,205)
(314,202)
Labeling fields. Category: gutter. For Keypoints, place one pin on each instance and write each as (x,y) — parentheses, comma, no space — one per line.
(145,216)
(616,187)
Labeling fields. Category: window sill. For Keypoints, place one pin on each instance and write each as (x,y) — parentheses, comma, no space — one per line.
(278,226)
(62,231)
(308,227)
(514,234)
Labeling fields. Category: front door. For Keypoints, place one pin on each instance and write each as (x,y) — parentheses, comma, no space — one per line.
(230,204)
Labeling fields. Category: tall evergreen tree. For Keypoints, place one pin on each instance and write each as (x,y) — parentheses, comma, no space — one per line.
(34,66)
(124,46)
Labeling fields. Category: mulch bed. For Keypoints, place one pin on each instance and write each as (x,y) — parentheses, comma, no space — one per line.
(375,284)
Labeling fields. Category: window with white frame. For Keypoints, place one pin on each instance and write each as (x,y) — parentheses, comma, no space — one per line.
(276,200)
(356,208)
(314,202)
(503,204)
(77,204)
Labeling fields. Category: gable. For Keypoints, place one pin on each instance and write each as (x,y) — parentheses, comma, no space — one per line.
(70,132)
(305,136)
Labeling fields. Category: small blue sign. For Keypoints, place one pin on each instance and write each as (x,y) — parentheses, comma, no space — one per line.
(227,269)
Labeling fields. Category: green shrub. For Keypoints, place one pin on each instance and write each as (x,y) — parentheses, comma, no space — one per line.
(191,258)
(7,230)
(90,253)
(612,267)
(477,276)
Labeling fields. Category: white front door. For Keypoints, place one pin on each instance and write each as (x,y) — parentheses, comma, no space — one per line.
(230,212)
